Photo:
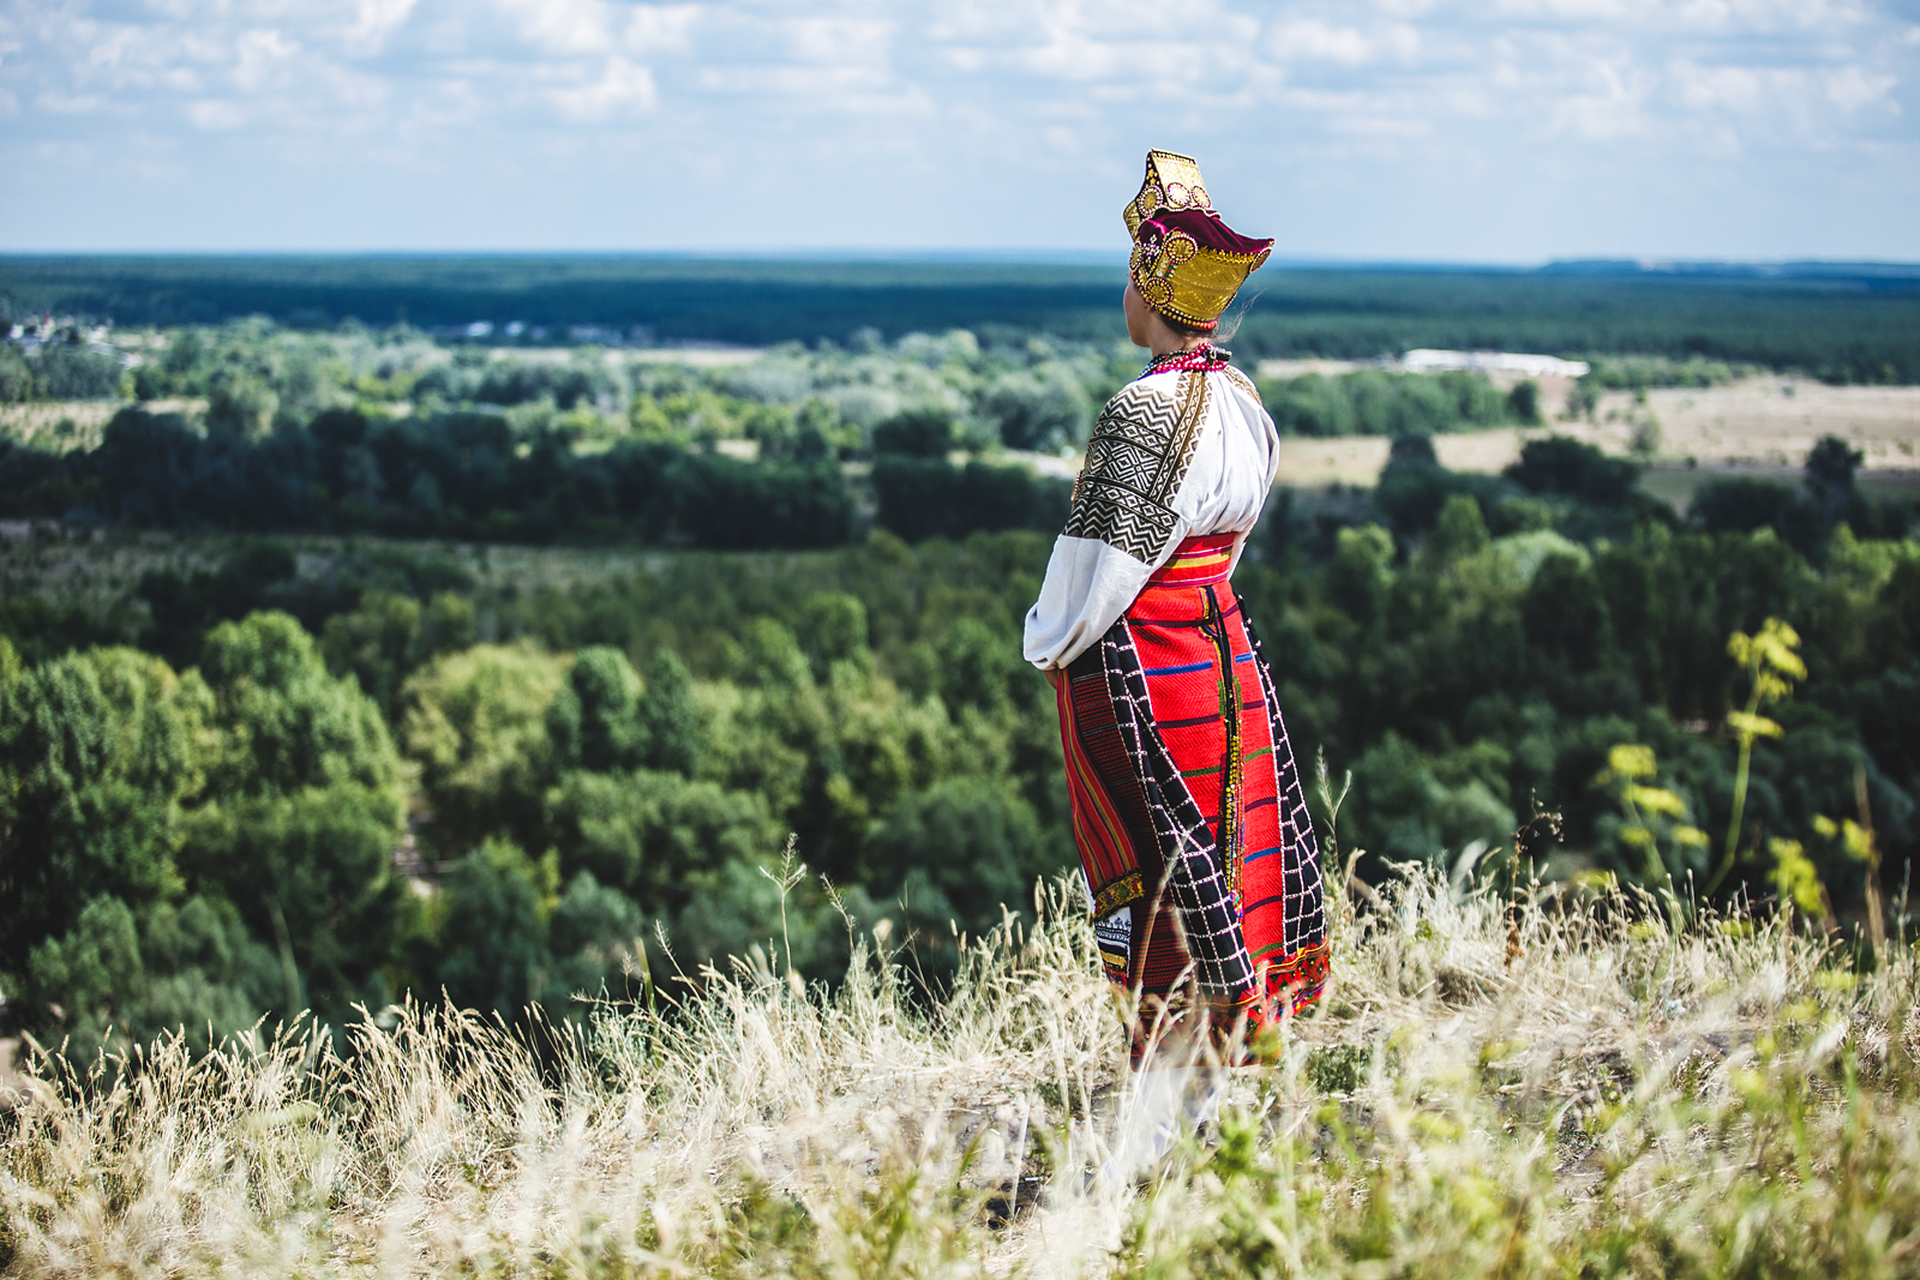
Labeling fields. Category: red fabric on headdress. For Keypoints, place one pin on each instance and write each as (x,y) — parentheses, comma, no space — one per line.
(1206,228)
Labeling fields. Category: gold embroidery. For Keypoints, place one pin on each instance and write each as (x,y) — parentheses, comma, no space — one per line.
(1168,172)
(1179,278)
(1118,893)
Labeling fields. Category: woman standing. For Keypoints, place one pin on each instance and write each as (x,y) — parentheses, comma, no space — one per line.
(1187,807)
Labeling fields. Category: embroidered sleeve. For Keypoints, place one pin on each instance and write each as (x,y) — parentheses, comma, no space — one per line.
(1139,453)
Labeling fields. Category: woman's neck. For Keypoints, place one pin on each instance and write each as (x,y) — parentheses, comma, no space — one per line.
(1167,342)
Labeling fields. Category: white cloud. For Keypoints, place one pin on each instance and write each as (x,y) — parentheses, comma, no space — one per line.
(374,22)
(1314,40)
(562,26)
(1609,107)
(621,88)
(261,56)
(213,114)
(64,104)
(1852,88)
(837,40)
(661,28)
(758,97)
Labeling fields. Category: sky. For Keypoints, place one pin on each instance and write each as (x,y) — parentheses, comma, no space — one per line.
(1493,131)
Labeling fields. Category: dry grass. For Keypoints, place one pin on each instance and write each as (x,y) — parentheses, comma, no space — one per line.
(1557,1088)
(1756,422)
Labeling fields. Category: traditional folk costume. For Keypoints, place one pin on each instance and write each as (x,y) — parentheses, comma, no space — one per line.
(1187,807)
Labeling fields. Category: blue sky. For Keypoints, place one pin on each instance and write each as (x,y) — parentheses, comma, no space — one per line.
(1489,131)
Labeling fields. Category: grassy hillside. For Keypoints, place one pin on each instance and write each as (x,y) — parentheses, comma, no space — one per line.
(1514,1083)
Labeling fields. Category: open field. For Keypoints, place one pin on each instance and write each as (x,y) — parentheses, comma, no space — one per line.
(1774,421)
(1525,1084)
(1755,423)
(63,425)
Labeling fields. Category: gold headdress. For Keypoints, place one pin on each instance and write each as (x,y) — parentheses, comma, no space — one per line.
(1186,262)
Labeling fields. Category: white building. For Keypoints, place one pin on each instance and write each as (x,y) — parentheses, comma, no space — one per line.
(1428,360)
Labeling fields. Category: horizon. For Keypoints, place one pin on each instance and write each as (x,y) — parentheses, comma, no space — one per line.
(991,256)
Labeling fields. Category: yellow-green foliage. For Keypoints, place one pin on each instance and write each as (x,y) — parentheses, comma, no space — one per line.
(1497,1084)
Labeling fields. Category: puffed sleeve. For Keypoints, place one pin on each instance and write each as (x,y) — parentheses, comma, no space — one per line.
(1124,524)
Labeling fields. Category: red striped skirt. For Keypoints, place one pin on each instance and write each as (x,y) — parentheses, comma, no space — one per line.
(1210,708)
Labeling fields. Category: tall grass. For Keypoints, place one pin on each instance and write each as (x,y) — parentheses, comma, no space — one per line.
(1530,1084)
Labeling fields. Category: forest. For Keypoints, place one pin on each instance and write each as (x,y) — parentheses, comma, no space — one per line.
(1839,322)
(346,664)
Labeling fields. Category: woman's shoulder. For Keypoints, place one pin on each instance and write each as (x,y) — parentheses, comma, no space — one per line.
(1151,411)
(1239,381)
(1158,383)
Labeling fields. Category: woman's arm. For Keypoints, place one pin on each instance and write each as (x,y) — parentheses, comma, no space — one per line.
(1124,522)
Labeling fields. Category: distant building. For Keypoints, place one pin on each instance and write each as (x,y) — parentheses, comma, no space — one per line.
(1427,360)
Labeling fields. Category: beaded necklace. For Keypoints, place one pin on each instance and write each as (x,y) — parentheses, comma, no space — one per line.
(1206,357)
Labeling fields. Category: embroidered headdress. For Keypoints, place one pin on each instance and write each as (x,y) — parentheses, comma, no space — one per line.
(1186,263)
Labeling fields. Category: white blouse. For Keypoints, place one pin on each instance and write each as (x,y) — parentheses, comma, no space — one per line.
(1174,455)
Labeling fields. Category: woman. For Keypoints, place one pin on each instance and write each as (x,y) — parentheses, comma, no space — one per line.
(1187,807)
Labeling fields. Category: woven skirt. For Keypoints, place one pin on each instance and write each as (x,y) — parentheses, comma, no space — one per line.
(1187,805)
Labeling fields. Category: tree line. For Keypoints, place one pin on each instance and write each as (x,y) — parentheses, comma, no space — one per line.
(391,433)
(1843,324)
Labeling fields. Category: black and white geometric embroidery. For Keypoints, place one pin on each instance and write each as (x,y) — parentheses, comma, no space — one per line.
(1305,923)
(1196,879)
(1139,453)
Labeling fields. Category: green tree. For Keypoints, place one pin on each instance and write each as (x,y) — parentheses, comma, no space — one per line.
(476,724)
(669,720)
(16,375)
(1460,531)
(1523,402)
(378,643)
(1566,613)
(595,934)
(1408,806)
(645,832)
(595,721)
(240,406)
(1574,468)
(833,628)
(300,803)
(68,371)
(957,851)
(96,752)
(389,636)
(1362,572)
(494,904)
(921,433)
(1041,408)
(85,977)
(193,968)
